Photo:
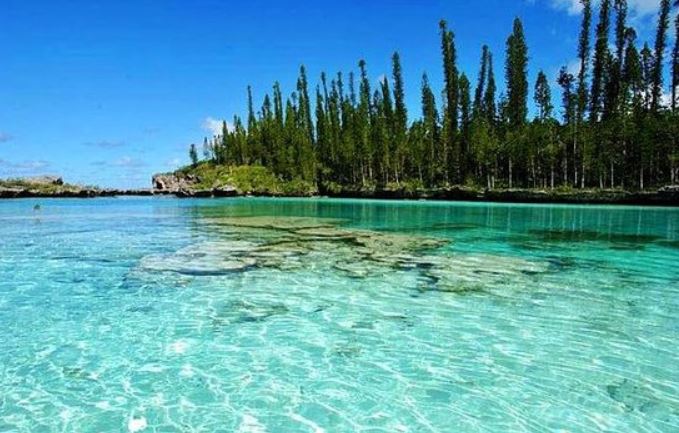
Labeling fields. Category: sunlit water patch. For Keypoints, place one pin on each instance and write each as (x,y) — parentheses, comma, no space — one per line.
(257,315)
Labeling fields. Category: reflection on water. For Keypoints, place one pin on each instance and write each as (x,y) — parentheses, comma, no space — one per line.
(258,315)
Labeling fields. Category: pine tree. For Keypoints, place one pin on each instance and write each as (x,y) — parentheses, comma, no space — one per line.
(620,28)
(387,154)
(600,61)
(335,132)
(431,133)
(583,97)
(541,149)
(584,53)
(675,63)
(291,160)
(516,73)
(633,75)
(569,101)
(643,143)
(266,133)
(400,128)
(481,83)
(489,106)
(252,153)
(517,76)
(322,141)
(660,44)
(647,67)
(616,85)
(239,141)
(278,150)
(465,124)
(379,138)
(362,122)
(600,82)
(633,102)
(450,75)
(193,154)
(305,104)
(543,97)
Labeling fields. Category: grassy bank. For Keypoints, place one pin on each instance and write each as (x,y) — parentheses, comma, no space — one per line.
(254,180)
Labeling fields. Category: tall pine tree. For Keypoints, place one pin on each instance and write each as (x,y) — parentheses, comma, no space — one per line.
(450,77)
(400,119)
(660,45)
(516,75)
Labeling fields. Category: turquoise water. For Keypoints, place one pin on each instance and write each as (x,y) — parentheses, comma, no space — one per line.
(160,315)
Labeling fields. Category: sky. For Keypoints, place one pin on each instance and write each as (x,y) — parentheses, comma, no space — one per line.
(109,92)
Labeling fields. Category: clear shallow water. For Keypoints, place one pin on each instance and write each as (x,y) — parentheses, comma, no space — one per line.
(159,315)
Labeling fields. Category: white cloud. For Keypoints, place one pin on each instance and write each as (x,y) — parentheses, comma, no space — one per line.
(214,126)
(573,7)
(573,67)
(637,8)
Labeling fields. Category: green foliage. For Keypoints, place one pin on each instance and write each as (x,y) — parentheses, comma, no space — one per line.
(357,136)
(247,179)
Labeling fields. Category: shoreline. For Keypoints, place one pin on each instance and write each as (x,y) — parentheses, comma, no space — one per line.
(665,197)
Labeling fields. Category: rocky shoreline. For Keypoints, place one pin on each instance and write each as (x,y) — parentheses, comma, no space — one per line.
(187,187)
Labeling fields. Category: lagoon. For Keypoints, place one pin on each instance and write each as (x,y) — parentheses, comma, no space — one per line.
(320,315)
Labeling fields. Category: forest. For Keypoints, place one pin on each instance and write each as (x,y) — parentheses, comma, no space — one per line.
(612,124)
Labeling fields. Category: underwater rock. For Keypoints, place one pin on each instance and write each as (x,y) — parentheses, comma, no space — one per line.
(474,272)
(296,243)
(208,258)
(239,312)
(323,233)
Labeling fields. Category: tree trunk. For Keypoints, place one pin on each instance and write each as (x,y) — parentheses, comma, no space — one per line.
(575,159)
(582,175)
(510,172)
(552,177)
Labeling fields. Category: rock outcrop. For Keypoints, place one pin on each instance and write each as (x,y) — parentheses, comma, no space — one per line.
(171,183)
(188,186)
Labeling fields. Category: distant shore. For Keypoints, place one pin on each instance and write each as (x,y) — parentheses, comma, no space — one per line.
(55,187)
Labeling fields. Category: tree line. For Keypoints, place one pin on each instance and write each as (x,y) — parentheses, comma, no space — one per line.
(612,124)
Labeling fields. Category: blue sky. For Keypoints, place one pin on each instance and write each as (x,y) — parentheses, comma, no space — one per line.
(110,92)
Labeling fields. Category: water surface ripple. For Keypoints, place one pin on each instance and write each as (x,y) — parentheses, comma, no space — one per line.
(263,315)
